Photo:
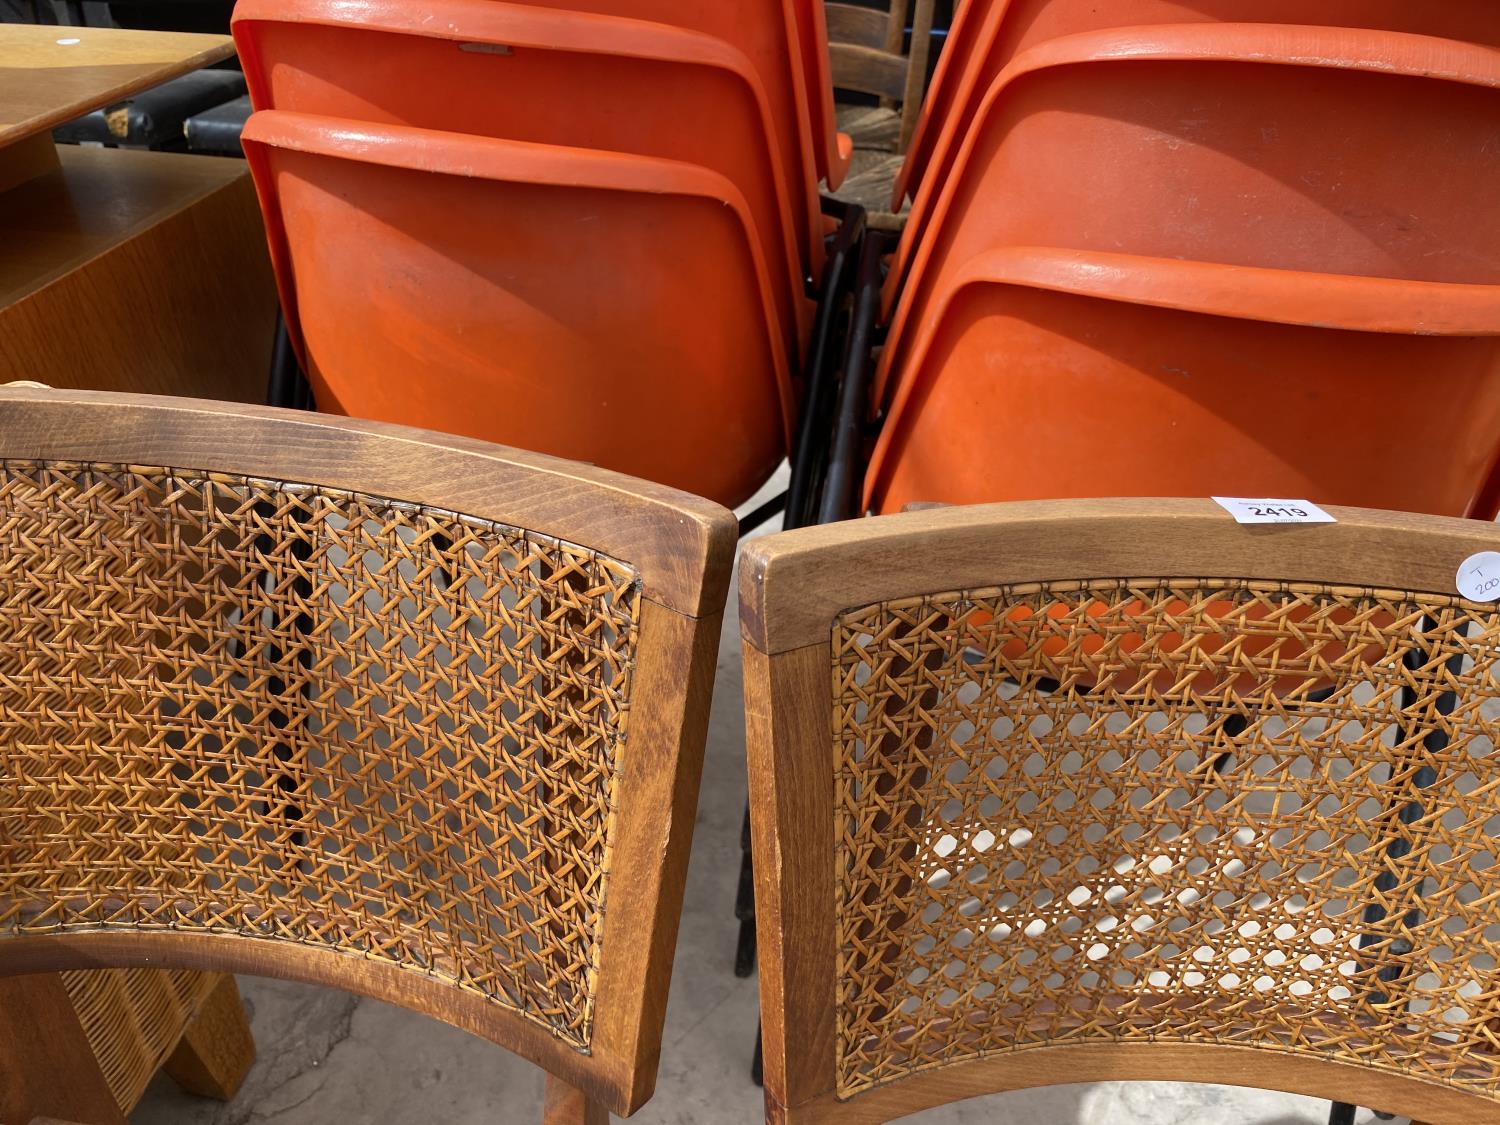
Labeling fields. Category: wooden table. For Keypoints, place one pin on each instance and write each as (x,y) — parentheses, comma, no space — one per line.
(119,269)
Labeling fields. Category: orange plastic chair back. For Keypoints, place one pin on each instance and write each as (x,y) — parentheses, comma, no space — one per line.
(1058,374)
(834,149)
(987,34)
(940,101)
(607,308)
(520,73)
(767,31)
(1291,148)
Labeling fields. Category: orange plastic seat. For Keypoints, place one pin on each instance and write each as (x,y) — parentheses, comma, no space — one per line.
(986,36)
(607,308)
(514,71)
(1286,147)
(767,31)
(939,102)
(833,149)
(1060,374)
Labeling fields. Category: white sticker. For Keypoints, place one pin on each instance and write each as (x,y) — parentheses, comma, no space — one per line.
(1479,577)
(1246,510)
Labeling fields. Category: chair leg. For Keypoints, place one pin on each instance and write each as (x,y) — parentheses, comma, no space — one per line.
(758,1060)
(1341,1113)
(216,1049)
(46,1063)
(287,386)
(568,1105)
(744,905)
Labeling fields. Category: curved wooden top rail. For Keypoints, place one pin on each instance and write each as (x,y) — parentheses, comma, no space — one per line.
(793,585)
(679,543)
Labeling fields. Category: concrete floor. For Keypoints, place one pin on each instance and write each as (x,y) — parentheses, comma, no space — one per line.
(327,1057)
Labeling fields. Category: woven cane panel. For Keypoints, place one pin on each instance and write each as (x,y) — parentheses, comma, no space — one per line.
(132,1019)
(249,707)
(1202,812)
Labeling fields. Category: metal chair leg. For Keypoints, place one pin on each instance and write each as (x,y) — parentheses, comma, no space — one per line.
(287,386)
(744,905)
(1341,1113)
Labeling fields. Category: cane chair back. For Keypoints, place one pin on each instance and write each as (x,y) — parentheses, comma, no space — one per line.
(987,34)
(1059,792)
(1151,377)
(360,705)
(1291,148)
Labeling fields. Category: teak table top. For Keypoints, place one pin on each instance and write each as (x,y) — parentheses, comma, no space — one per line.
(49,75)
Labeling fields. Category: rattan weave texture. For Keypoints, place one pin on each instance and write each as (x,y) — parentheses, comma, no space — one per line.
(275,710)
(1197,811)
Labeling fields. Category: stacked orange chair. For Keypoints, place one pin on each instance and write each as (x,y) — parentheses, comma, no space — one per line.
(583,228)
(1201,258)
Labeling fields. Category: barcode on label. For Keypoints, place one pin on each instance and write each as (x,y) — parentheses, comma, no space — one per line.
(1251,510)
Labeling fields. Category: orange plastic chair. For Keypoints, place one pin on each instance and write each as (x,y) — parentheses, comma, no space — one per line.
(590,305)
(938,104)
(514,71)
(834,149)
(767,31)
(1060,374)
(987,34)
(1286,147)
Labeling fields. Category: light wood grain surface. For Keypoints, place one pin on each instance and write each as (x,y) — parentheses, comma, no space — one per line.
(138,271)
(49,75)
(96,200)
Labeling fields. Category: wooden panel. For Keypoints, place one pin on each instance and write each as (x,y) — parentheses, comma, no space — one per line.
(26,160)
(137,271)
(46,1064)
(568,1105)
(854,26)
(93,200)
(54,74)
(216,1049)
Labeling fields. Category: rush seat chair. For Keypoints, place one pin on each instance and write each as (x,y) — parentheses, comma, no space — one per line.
(1061,374)
(359,705)
(1063,792)
(868,55)
(1291,148)
(608,308)
(987,34)
(519,72)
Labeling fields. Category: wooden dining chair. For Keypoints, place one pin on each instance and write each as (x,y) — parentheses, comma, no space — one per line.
(1073,791)
(353,704)
(868,55)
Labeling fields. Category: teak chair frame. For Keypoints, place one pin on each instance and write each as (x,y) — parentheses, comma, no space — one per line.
(794,590)
(679,548)
(867,55)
